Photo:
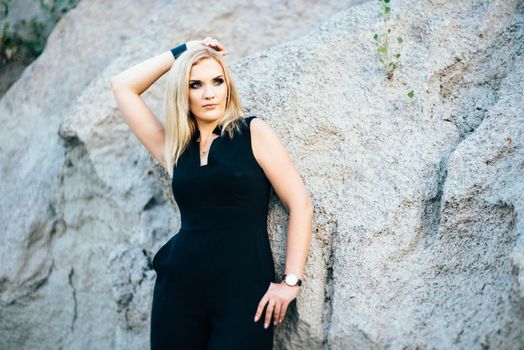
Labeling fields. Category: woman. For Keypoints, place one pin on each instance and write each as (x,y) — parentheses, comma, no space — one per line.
(215,278)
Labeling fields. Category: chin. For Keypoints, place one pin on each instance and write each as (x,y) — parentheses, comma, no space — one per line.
(213,114)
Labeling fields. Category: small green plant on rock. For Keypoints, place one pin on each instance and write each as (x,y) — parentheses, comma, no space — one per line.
(382,43)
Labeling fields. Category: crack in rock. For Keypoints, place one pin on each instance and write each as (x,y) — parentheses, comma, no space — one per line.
(75,305)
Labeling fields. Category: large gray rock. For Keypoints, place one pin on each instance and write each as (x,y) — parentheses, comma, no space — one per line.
(417,238)
(82,208)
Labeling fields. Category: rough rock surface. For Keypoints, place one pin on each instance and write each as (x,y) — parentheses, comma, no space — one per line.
(82,208)
(17,12)
(418,236)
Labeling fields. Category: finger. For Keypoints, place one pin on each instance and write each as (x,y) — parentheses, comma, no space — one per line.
(276,314)
(269,312)
(215,43)
(282,312)
(260,307)
(215,47)
(208,41)
(218,45)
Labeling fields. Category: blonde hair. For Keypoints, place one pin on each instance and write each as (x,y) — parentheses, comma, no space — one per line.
(179,122)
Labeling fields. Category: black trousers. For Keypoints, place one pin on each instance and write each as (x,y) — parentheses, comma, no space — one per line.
(207,290)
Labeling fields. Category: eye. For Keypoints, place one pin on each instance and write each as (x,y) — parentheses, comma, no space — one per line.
(195,85)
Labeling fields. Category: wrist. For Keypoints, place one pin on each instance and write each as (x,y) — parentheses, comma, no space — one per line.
(178,50)
(194,43)
(291,280)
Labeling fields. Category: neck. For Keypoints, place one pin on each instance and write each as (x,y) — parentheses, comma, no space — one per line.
(206,129)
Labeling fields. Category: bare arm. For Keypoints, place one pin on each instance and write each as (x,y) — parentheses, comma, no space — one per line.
(272,156)
(127,88)
(131,83)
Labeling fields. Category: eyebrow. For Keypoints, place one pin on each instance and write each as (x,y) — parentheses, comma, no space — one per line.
(198,81)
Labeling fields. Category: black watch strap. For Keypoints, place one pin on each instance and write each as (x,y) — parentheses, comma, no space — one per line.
(299,281)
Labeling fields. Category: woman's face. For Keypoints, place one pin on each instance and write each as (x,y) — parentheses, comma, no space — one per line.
(207,86)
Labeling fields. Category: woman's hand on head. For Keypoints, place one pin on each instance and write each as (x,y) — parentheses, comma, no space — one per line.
(209,42)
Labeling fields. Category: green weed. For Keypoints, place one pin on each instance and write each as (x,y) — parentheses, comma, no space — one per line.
(25,40)
(389,62)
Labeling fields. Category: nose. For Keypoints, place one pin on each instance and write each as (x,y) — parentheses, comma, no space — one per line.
(209,92)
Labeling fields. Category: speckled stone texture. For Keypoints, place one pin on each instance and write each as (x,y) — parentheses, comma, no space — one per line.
(418,232)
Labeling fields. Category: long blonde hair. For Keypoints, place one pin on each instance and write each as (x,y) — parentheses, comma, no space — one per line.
(179,122)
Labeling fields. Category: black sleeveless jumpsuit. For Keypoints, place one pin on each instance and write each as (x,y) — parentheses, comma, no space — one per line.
(212,274)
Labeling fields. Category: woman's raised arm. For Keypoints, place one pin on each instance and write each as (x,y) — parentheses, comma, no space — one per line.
(131,83)
(127,88)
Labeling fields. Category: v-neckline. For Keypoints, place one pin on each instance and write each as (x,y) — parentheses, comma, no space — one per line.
(200,165)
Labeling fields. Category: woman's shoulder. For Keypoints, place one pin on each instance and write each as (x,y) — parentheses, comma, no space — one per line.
(247,124)
(260,130)
(243,125)
(255,121)
(257,124)
(247,120)
(250,118)
(265,141)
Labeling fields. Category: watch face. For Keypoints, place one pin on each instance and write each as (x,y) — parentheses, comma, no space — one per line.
(291,279)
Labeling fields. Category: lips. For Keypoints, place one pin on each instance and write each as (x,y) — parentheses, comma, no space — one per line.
(209,105)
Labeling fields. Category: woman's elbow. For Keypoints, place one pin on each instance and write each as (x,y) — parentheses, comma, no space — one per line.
(303,206)
(114,83)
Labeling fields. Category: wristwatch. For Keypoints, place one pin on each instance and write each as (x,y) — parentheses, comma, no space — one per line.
(291,279)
